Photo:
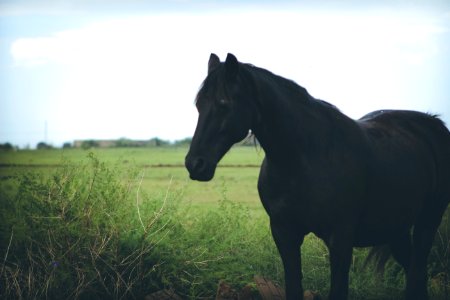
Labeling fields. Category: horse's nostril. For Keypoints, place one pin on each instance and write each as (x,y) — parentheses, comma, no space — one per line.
(200,168)
(199,165)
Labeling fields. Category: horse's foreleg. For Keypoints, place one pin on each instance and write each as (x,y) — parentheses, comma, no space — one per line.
(340,247)
(288,244)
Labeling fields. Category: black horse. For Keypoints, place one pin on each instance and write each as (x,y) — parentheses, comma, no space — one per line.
(383,179)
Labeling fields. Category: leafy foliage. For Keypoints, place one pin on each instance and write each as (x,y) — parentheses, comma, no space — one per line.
(74,235)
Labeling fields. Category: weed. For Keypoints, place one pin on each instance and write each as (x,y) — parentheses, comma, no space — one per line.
(76,235)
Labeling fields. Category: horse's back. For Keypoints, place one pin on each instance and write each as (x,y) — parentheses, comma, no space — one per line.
(410,132)
(405,132)
(408,168)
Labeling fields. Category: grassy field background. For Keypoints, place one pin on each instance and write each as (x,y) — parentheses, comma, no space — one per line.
(122,223)
(160,166)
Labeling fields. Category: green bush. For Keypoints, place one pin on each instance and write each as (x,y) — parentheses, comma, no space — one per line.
(88,231)
(227,243)
(76,234)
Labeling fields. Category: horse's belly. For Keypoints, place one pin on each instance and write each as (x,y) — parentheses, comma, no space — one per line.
(386,219)
(367,237)
(390,213)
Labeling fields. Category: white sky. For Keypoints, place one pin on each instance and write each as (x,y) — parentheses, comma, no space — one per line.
(111,74)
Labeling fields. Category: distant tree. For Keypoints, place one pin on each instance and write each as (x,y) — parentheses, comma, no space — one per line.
(89,144)
(157,142)
(124,142)
(67,145)
(6,146)
(183,142)
(43,145)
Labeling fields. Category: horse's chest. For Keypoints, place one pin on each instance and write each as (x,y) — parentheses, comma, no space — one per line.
(284,201)
(276,193)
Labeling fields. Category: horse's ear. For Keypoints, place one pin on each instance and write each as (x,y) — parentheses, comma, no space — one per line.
(213,62)
(231,66)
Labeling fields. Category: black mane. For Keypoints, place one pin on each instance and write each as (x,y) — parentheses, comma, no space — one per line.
(296,93)
(217,79)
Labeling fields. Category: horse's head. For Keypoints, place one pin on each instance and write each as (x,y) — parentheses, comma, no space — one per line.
(225,116)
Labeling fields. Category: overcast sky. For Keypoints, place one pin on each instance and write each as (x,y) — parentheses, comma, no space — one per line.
(111,69)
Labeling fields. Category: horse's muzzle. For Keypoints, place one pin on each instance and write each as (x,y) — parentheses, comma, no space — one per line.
(200,168)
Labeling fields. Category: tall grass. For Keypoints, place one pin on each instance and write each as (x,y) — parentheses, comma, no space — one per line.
(88,231)
(75,235)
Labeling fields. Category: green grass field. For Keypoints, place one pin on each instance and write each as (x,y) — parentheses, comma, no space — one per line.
(139,156)
(122,223)
(159,166)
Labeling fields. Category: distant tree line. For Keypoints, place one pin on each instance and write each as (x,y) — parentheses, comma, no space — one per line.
(119,143)
(43,146)
(7,147)
(129,143)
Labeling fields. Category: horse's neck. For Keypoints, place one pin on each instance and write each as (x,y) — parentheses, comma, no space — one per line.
(290,123)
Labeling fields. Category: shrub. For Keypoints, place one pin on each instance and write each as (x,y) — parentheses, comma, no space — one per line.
(43,146)
(76,235)
(6,146)
(88,231)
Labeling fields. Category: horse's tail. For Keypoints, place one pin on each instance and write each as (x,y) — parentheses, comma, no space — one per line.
(378,255)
